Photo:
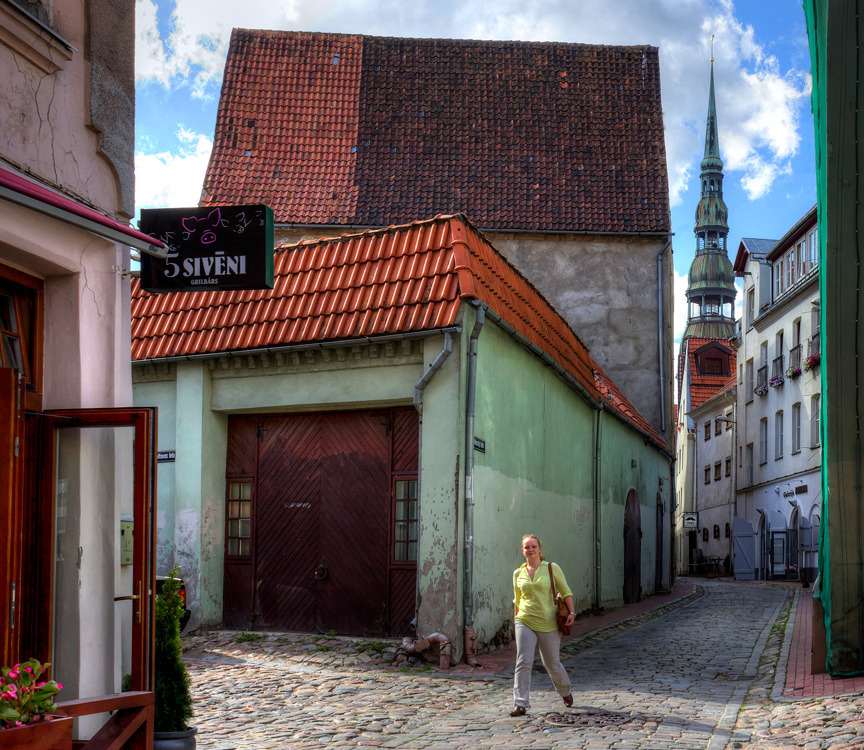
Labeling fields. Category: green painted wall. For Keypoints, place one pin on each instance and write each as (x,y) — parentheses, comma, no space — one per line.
(620,447)
(535,477)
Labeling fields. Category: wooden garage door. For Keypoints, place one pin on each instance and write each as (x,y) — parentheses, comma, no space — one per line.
(320,500)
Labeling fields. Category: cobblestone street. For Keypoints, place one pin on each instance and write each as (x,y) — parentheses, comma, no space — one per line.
(704,671)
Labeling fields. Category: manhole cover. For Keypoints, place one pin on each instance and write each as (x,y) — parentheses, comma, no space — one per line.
(587,718)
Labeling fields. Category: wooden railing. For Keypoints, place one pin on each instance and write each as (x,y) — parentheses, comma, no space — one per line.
(129,728)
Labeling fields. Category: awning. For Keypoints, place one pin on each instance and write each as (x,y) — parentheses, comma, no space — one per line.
(17,189)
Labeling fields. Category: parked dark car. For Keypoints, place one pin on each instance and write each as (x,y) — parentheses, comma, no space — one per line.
(184,621)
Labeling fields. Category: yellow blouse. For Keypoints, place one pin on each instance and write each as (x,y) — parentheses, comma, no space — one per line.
(534,598)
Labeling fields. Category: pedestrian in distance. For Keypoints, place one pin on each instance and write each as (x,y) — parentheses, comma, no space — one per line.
(536,626)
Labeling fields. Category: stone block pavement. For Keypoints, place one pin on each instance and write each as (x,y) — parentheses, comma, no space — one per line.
(713,664)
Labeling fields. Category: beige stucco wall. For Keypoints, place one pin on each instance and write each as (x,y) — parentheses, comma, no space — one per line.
(47,106)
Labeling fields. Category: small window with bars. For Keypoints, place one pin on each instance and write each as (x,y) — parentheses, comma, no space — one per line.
(239,519)
(405,524)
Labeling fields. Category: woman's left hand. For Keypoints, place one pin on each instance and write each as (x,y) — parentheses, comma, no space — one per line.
(571,618)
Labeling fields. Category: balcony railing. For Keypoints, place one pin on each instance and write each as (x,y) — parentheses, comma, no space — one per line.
(777,367)
(762,377)
(813,345)
(795,357)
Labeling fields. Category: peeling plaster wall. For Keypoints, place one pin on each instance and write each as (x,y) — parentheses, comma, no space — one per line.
(195,399)
(53,111)
(620,448)
(605,287)
(442,466)
(534,478)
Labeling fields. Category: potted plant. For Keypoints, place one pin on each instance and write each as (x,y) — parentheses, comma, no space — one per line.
(27,708)
(172,689)
(793,372)
(776,381)
(812,362)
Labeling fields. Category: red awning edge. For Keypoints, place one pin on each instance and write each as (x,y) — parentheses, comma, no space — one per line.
(17,189)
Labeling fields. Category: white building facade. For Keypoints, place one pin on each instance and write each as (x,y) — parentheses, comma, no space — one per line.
(779,452)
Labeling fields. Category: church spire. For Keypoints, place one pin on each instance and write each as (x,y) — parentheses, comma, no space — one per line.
(711,284)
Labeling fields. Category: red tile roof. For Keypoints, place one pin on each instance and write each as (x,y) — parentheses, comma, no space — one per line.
(404,279)
(704,386)
(371,131)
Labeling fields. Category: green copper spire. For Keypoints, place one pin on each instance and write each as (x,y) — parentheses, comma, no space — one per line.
(711,283)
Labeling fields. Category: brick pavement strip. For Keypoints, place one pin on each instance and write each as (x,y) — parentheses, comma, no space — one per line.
(696,673)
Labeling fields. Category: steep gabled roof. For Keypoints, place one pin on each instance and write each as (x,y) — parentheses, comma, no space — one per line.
(400,280)
(703,386)
(752,247)
(372,131)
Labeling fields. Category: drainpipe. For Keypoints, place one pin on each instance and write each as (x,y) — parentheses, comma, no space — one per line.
(660,333)
(468,593)
(598,543)
(416,647)
(418,404)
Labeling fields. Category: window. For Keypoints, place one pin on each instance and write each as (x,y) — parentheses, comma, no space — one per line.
(717,472)
(751,305)
(716,531)
(778,276)
(405,527)
(239,526)
(728,470)
(749,380)
(748,465)
(813,248)
(707,475)
(778,435)
(796,427)
(763,440)
(705,534)
(713,365)
(21,331)
(718,427)
(708,430)
(727,529)
(728,417)
(815,416)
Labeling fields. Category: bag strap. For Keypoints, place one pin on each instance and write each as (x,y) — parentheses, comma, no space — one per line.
(552,578)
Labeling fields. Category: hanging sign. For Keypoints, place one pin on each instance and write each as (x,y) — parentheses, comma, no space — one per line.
(209,249)
(690,521)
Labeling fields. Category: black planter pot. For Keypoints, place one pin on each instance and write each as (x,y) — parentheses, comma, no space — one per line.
(175,740)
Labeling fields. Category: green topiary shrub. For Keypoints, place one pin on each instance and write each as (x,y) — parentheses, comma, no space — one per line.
(173,696)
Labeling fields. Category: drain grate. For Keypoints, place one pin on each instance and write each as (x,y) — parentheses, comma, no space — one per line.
(589,717)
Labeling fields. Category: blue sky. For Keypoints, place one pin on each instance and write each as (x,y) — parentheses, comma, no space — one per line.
(762,85)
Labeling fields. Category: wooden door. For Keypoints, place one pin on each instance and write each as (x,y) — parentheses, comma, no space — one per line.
(744,550)
(321,556)
(632,549)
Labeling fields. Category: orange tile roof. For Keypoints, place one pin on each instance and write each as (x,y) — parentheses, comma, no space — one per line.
(370,131)
(704,386)
(403,279)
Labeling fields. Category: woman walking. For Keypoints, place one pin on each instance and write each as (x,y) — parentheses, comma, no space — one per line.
(536,626)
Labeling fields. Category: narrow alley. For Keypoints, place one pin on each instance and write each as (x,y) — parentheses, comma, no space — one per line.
(673,676)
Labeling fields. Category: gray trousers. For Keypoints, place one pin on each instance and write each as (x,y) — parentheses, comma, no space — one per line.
(527,642)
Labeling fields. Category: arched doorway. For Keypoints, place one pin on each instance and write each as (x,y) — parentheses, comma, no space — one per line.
(632,549)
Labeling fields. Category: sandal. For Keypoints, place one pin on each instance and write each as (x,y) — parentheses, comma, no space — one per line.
(519,711)
(568,700)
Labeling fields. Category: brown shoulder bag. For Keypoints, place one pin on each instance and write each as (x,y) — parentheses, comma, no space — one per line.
(562,611)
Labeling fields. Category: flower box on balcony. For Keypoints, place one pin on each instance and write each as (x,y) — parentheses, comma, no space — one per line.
(812,362)
(50,734)
(777,381)
(793,372)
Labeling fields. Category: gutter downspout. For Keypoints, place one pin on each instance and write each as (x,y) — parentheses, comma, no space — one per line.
(468,593)
(598,543)
(418,404)
(660,333)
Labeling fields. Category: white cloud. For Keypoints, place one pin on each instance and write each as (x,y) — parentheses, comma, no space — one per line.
(173,179)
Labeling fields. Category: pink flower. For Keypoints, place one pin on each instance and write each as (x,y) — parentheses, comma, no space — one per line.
(59,686)
(40,684)
(13,673)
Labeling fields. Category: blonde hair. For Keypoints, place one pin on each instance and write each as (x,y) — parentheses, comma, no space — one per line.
(536,539)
